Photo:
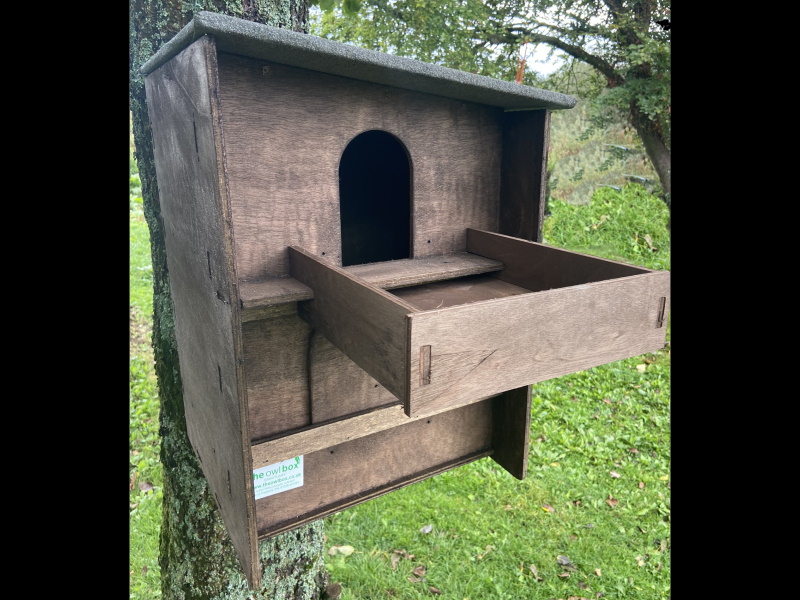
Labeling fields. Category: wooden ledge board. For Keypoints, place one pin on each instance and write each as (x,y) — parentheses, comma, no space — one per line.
(257,295)
(319,437)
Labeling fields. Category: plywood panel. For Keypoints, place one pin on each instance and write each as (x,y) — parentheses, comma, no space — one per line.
(276,364)
(285,131)
(511,432)
(368,324)
(539,267)
(352,472)
(339,387)
(526,138)
(464,290)
(489,347)
(188,150)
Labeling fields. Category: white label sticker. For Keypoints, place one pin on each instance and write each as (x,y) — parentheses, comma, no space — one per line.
(278,478)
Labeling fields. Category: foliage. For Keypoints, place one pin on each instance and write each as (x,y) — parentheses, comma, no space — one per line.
(586,154)
(423,30)
(628,225)
(625,44)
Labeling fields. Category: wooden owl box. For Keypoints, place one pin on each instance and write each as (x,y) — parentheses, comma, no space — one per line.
(361,296)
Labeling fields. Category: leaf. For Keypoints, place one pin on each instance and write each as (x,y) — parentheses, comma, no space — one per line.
(598,572)
(641,368)
(146,486)
(548,508)
(414,579)
(420,570)
(426,529)
(395,560)
(640,561)
(403,554)
(434,590)
(583,585)
(345,550)
(565,562)
(563,575)
(612,501)
(615,475)
(333,591)
(641,485)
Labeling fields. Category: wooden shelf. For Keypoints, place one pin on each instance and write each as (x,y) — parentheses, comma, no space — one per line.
(546,313)
(259,298)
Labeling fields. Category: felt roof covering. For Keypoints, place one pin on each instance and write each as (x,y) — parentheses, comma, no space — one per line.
(255,40)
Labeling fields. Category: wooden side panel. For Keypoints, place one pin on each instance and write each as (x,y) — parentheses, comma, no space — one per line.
(286,130)
(188,153)
(368,324)
(352,472)
(526,137)
(493,346)
(538,267)
(338,386)
(276,364)
(512,430)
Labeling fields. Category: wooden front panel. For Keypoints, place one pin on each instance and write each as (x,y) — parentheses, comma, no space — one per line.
(489,347)
(187,146)
(286,129)
(366,323)
(350,473)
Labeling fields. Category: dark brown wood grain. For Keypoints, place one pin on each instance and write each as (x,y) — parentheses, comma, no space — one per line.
(338,386)
(188,150)
(366,323)
(259,296)
(511,430)
(285,132)
(337,431)
(523,185)
(276,366)
(351,472)
(538,267)
(455,292)
(489,347)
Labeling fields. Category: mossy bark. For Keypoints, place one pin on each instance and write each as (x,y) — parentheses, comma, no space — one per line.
(196,555)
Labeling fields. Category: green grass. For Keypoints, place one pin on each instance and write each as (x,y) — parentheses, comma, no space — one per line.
(145,467)
(597,492)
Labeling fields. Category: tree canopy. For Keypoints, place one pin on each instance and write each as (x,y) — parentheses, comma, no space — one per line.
(625,42)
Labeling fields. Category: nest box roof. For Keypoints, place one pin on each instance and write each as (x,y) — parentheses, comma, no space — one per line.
(305,51)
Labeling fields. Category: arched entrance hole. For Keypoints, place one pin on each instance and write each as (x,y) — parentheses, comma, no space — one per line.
(375,199)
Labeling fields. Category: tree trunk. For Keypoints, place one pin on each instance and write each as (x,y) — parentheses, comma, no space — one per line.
(197,558)
(656,149)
